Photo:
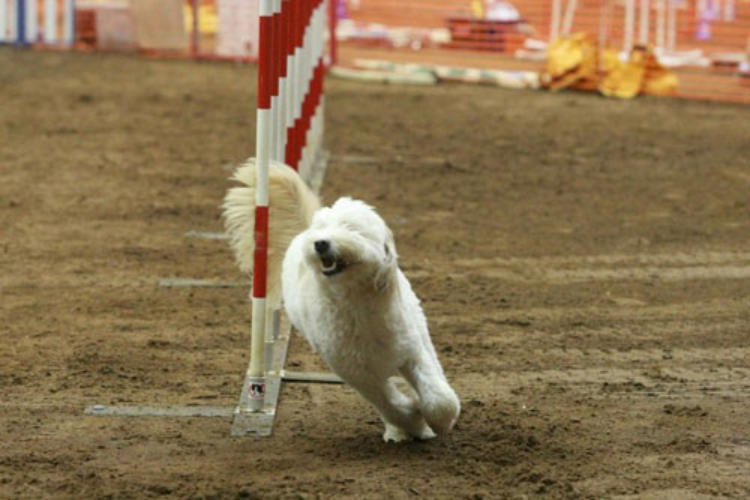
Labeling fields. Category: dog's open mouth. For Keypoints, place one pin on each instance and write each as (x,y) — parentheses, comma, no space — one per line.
(330,265)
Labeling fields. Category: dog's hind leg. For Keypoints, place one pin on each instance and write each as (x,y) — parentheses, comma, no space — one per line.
(437,399)
(399,412)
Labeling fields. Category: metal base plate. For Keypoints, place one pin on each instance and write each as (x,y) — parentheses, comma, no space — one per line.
(156,411)
(260,423)
(200,283)
(207,235)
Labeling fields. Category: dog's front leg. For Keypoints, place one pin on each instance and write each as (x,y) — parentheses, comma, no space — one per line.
(437,399)
(399,412)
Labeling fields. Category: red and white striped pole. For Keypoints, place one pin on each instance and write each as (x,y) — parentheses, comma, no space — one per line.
(302,80)
(288,129)
(256,379)
(273,68)
(279,54)
(316,127)
(289,52)
(312,105)
(306,68)
(295,72)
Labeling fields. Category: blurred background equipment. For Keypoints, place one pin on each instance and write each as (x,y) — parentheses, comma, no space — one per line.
(704,43)
(26,22)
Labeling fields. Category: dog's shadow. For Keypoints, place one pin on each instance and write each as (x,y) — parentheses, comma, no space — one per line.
(480,437)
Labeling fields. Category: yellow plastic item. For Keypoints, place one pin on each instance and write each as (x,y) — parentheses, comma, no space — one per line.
(207,19)
(477,8)
(570,60)
(609,59)
(576,62)
(624,81)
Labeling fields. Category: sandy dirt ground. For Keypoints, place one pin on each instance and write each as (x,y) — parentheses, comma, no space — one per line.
(584,265)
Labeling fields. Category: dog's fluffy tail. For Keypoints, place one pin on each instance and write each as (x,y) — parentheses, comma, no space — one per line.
(291,207)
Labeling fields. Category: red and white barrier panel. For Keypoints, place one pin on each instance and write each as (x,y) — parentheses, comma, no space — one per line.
(291,68)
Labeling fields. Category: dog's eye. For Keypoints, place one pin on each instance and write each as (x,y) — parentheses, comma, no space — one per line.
(387,250)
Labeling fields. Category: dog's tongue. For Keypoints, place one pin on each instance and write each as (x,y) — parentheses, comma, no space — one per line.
(328,263)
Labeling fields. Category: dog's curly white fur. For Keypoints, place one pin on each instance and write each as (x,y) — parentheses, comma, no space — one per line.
(343,289)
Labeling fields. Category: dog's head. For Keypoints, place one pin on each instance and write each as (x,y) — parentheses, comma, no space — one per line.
(349,244)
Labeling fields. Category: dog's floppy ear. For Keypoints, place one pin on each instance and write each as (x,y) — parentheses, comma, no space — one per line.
(386,272)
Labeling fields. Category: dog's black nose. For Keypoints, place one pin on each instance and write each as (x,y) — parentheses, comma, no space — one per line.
(322,246)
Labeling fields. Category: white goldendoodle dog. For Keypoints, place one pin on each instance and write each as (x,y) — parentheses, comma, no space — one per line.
(342,288)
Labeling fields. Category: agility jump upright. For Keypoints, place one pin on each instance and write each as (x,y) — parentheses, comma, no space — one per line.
(289,129)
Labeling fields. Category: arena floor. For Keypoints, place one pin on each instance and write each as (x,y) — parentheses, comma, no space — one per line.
(584,265)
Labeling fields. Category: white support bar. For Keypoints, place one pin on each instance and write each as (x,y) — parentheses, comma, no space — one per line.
(627,41)
(69,22)
(32,26)
(671,25)
(604,20)
(50,21)
(13,21)
(3,20)
(660,25)
(568,19)
(644,22)
(554,29)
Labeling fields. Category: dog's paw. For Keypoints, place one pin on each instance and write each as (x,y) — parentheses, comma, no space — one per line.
(426,434)
(395,434)
(441,414)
